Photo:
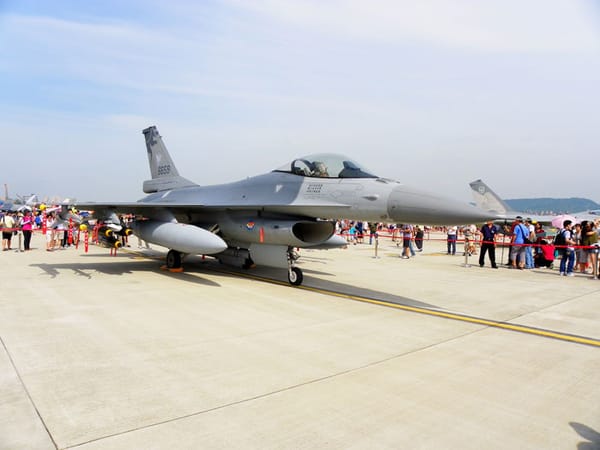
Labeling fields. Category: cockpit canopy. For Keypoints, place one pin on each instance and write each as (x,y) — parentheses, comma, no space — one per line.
(326,165)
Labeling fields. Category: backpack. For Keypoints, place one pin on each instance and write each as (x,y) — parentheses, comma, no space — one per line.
(559,239)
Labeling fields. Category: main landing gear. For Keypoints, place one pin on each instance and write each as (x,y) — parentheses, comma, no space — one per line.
(174,259)
(295,276)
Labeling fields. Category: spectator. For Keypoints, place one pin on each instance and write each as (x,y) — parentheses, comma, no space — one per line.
(372,232)
(419,238)
(50,232)
(59,232)
(580,253)
(488,243)
(540,233)
(451,233)
(352,233)
(590,240)
(530,240)
(27,226)
(359,232)
(406,238)
(545,257)
(517,253)
(8,226)
(470,233)
(567,260)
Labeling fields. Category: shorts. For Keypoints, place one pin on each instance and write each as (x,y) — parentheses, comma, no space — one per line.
(7,235)
(518,251)
(582,256)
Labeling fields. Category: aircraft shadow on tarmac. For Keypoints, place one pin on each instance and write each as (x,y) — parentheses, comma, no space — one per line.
(120,267)
(270,274)
(592,436)
(195,267)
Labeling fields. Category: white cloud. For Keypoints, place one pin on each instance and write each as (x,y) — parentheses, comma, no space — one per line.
(503,26)
(389,83)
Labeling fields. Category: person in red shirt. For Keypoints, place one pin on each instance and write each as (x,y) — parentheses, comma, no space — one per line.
(27,226)
(545,258)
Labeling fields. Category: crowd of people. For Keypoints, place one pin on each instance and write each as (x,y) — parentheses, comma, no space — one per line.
(26,221)
(529,244)
(59,233)
(12,223)
(575,244)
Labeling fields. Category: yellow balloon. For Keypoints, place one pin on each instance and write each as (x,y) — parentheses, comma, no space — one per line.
(83,227)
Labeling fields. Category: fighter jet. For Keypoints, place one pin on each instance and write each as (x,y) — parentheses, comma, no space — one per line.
(488,200)
(20,204)
(262,219)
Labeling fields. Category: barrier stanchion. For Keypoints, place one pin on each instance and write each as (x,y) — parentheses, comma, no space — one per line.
(376,245)
(467,252)
(20,241)
(70,233)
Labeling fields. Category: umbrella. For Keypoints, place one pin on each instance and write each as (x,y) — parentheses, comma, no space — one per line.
(557,222)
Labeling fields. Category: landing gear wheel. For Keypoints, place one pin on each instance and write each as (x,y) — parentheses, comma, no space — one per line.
(173,259)
(295,276)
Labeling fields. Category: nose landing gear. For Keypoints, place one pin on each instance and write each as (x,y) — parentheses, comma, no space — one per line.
(295,276)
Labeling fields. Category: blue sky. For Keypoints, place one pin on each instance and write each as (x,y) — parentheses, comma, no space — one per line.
(432,93)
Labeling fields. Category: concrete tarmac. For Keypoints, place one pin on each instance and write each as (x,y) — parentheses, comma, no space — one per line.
(103,352)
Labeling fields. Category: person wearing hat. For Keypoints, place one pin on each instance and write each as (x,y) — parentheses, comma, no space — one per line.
(27,227)
(488,243)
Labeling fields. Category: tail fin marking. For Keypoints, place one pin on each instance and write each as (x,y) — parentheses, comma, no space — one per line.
(165,175)
(487,199)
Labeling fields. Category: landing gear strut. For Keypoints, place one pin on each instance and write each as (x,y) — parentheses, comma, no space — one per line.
(295,276)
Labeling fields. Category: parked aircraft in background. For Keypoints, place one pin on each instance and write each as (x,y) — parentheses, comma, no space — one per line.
(488,200)
(591,214)
(261,219)
(19,204)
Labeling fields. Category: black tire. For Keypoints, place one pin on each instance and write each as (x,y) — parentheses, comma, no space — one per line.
(295,276)
(173,259)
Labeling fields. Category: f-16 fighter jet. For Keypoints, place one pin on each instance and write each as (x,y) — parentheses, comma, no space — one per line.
(260,220)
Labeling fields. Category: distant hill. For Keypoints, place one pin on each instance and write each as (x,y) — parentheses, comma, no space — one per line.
(552,205)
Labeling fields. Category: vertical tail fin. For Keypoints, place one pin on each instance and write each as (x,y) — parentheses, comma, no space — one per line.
(487,199)
(165,175)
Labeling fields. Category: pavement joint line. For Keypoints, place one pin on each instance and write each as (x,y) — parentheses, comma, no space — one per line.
(12,362)
(566,337)
(271,393)
(249,399)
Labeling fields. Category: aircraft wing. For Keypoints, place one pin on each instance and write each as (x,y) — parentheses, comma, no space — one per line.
(148,208)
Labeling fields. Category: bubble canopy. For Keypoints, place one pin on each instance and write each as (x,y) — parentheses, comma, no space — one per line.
(326,165)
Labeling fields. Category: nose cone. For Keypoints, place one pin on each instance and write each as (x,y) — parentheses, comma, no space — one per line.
(409,205)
